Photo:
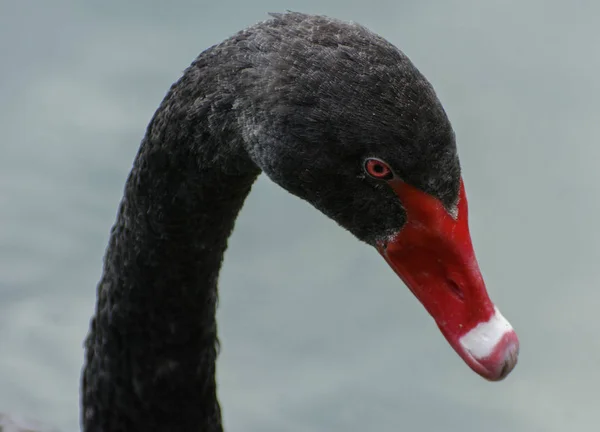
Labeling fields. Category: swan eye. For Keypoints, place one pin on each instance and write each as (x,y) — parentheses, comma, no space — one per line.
(378,169)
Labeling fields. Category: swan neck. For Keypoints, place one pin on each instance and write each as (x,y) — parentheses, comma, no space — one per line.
(152,344)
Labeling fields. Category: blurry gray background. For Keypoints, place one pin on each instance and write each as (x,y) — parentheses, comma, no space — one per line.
(318,333)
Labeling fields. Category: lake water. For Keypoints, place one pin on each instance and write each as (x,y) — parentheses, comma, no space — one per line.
(317,332)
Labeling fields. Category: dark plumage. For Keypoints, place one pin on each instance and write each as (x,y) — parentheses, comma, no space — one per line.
(304,99)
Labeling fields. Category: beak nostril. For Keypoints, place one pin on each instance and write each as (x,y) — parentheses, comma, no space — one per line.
(456,290)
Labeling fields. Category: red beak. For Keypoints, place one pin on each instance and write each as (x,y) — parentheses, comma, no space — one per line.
(434,256)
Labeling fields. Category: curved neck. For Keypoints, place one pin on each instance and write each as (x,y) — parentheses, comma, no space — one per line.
(152,345)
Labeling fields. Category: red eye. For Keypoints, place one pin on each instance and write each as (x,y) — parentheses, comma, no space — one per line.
(378,169)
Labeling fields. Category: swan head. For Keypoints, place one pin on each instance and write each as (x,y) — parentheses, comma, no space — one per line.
(342,119)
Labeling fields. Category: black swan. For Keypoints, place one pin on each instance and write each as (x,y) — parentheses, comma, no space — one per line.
(337,116)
